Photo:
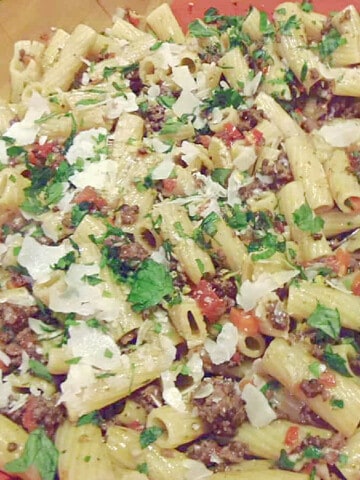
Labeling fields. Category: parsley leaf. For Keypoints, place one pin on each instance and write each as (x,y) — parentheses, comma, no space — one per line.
(266,27)
(199,30)
(330,42)
(150,284)
(64,262)
(336,362)
(223,98)
(306,220)
(40,370)
(39,452)
(306,6)
(238,219)
(208,225)
(284,461)
(93,417)
(150,435)
(292,23)
(221,175)
(325,319)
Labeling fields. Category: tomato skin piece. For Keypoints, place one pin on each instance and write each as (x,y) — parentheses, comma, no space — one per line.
(292,436)
(328,379)
(5,476)
(246,322)
(135,425)
(28,420)
(90,195)
(229,134)
(169,185)
(355,286)
(354,203)
(211,305)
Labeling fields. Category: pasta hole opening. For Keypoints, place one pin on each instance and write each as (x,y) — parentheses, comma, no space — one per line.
(252,343)
(183,382)
(157,422)
(149,238)
(188,62)
(193,324)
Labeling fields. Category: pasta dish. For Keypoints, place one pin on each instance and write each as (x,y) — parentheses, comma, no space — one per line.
(179,244)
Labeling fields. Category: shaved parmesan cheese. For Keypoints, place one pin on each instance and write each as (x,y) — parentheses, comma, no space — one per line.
(25,132)
(159,256)
(210,188)
(189,152)
(24,367)
(182,77)
(82,298)
(251,292)
(257,407)
(95,347)
(79,377)
(245,158)
(5,392)
(185,104)
(157,145)
(4,157)
(341,133)
(163,169)
(195,365)
(118,105)
(99,175)
(38,259)
(225,346)
(168,55)
(235,181)
(5,359)
(252,85)
(171,394)
(84,145)
(153,92)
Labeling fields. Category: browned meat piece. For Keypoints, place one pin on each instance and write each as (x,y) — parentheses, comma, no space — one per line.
(129,214)
(278,317)
(312,388)
(14,317)
(149,397)
(226,289)
(209,452)
(223,410)
(40,411)
(155,117)
(25,340)
(279,170)
(133,251)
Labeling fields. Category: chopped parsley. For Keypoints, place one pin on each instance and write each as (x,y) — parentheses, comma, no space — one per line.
(329,43)
(40,453)
(40,370)
(292,23)
(325,319)
(199,30)
(336,361)
(150,435)
(151,283)
(306,220)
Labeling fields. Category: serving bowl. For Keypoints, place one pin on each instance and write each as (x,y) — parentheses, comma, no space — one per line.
(37,17)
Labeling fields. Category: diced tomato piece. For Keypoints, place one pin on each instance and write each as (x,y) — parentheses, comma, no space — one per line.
(258,136)
(90,195)
(133,18)
(169,184)
(292,436)
(28,419)
(205,140)
(5,476)
(246,322)
(38,155)
(3,368)
(136,425)
(354,203)
(343,258)
(211,305)
(229,134)
(328,379)
(355,287)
